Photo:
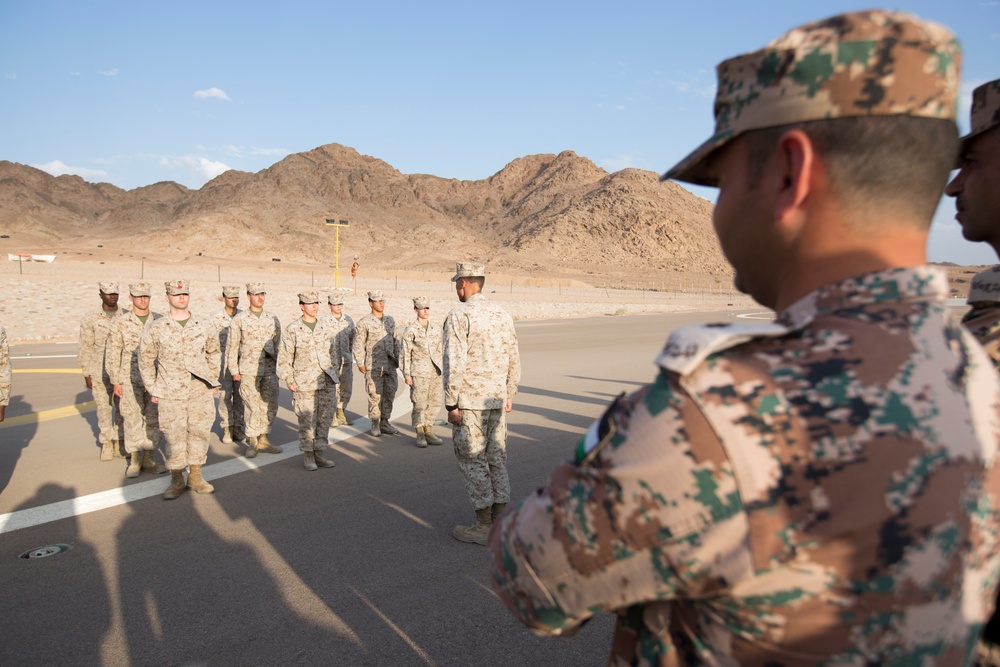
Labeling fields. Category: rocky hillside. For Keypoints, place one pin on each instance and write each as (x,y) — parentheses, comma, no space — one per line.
(541,213)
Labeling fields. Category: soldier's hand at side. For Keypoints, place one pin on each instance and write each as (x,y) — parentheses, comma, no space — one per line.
(154,400)
(409,381)
(118,390)
(363,369)
(455,417)
(236,377)
(509,405)
(90,383)
(3,409)
(215,392)
(293,387)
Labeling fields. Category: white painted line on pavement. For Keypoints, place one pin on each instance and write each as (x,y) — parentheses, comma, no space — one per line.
(47,356)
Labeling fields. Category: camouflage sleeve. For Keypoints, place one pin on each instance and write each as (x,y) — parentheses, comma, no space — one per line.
(286,357)
(639,515)
(349,352)
(406,349)
(456,341)
(233,342)
(272,346)
(113,354)
(85,353)
(213,353)
(148,351)
(983,320)
(5,373)
(336,355)
(360,344)
(514,365)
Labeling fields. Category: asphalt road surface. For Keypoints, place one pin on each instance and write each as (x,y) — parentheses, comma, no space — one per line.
(353,565)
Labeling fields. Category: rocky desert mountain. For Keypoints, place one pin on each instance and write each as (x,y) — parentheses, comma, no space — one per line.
(557,214)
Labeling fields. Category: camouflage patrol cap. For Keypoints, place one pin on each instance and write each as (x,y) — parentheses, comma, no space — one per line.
(985,113)
(469,270)
(309,297)
(421,302)
(140,289)
(230,291)
(376,295)
(108,288)
(175,287)
(870,63)
(335,300)
(256,288)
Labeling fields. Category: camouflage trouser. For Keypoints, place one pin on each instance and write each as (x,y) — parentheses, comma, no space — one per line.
(381,385)
(230,402)
(186,424)
(142,424)
(260,403)
(315,410)
(427,395)
(481,449)
(109,420)
(346,385)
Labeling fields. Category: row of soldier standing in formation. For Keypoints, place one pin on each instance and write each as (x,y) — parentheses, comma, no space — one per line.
(140,357)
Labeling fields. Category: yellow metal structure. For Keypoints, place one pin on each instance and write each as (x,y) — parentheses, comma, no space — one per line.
(335,278)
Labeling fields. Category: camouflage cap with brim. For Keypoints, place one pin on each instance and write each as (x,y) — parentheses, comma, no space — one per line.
(985,113)
(309,297)
(108,288)
(469,270)
(421,302)
(872,63)
(230,291)
(335,300)
(140,289)
(177,287)
(256,288)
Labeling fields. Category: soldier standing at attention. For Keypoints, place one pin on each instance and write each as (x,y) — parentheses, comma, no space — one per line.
(5,374)
(142,430)
(230,403)
(976,189)
(820,490)
(251,356)
(420,363)
(375,353)
(179,361)
(343,329)
(306,365)
(94,329)
(482,368)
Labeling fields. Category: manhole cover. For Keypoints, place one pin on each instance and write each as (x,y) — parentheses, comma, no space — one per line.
(46,551)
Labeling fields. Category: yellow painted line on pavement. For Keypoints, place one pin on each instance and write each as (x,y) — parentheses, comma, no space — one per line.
(49,415)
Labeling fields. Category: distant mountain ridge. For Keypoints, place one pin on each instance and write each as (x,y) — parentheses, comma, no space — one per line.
(556,213)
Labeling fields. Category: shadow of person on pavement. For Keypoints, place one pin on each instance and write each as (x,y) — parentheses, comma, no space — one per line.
(16,432)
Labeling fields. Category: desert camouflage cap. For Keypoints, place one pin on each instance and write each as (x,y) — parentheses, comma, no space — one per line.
(376,295)
(421,302)
(140,289)
(335,300)
(985,113)
(309,297)
(469,270)
(870,63)
(108,288)
(230,291)
(175,287)
(256,288)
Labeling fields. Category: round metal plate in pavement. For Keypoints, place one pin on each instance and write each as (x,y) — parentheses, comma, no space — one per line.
(46,551)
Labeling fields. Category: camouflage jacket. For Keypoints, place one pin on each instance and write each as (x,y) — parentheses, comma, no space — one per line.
(5,372)
(307,355)
(169,354)
(420,351)
(818,490)
(375,345)
(122,358)
(221,321)
(94,329)
(482,364)
(252,346)
(344,331)
(983,319)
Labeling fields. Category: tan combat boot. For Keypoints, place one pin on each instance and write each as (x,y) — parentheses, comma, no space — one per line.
(421,437)
(309,461)
(150,464)
(375,431)
(238,434)
(497,510)
(387,428)
(118,449)
(177,485)
(430,437)
(197,483)
(477,532)
(227,435)
(322,461)
(264,445)
(251,447)
(134,465)
(342,418)
(107,451)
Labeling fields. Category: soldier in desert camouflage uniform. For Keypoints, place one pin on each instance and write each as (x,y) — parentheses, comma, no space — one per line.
(420,362)
(94,330)
(142,431)
(482,368)
(375,354)
(179,361)
(251,355)
(343,329)
(230,403)
(4,374)
(305,364)
(820,490)
(976,189)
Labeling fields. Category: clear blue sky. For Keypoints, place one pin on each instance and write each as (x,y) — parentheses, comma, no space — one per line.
(133,93)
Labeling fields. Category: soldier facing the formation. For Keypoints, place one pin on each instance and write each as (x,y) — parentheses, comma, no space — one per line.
(179,361)
(817,490)
(230,403)
(342,328)
(421,364)
(251,357)
(375,354)
(94,329)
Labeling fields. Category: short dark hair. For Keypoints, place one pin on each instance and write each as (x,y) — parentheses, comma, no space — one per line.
(874,161)
(479,280)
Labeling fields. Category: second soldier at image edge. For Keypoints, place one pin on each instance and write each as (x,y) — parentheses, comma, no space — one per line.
(823,489)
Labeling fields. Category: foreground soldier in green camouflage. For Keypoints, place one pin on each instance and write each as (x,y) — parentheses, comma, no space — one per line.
(820,490)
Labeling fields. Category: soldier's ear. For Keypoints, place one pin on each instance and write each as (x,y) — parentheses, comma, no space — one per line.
(795,162)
